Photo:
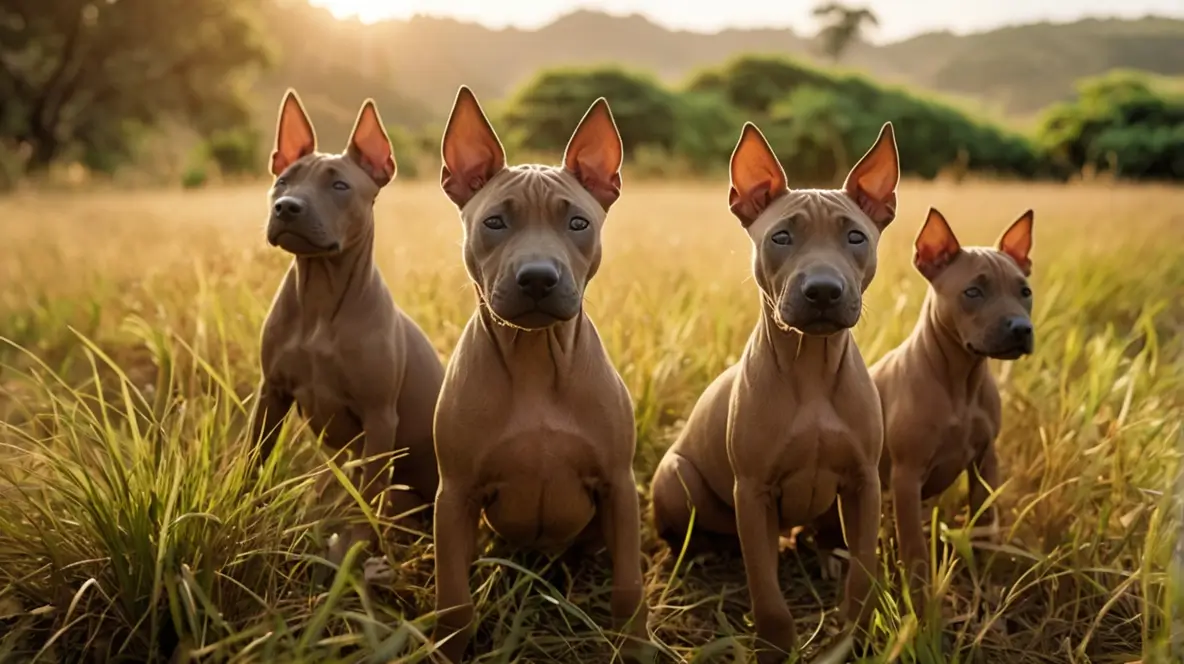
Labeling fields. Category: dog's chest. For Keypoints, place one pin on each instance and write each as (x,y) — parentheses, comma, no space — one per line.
(315,376)
(967,432)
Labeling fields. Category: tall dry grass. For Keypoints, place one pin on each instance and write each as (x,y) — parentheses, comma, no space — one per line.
(129,524)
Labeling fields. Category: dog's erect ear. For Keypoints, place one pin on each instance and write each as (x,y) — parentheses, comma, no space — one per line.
(872,182)
(757,176)
(370,147)
(1016,242)
(936,245)
(594,154)
(472,152)
(294,137)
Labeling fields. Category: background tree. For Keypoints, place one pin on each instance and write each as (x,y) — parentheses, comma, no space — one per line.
(542,115)
(85,78)
(1123,123)
(843,27)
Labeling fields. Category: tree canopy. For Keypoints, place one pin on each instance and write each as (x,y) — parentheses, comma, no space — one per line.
(87,78)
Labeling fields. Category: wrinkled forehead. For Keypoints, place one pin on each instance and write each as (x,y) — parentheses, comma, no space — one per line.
(321,166)
(983,264)
(532,191)
(813,210)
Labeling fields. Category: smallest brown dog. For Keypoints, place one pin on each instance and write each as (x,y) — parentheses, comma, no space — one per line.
(941,406)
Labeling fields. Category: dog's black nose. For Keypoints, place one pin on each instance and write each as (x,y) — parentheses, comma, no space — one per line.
(1021,331)
(537,279)
(288,207)
(822,290)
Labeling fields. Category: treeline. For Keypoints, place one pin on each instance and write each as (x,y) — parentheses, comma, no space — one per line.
(818,123)
(1124,123)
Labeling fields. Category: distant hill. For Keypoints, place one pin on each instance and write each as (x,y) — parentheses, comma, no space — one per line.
(413,67)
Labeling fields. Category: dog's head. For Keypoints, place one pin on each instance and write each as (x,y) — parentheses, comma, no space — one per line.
(531,232)
(981,294)
(814,250)
(322,203)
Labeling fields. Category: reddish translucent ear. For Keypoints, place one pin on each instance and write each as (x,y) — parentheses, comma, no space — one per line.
(294,136)
(370,147)
(935,247)
(471,150)
(757,176)
(872,182)
(594,154)
(1016,241)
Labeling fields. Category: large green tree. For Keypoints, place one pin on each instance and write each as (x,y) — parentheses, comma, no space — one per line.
(82,78)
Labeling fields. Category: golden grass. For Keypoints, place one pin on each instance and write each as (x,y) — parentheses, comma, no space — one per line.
(133,320)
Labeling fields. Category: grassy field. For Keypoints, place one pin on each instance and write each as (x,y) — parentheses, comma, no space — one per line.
(129,525)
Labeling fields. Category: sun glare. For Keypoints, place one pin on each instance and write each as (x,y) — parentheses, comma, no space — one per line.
(367,11)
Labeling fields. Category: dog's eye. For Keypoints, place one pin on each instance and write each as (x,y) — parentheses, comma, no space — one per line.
(577,223)
(856,237)
(494,223)
(341,185)
(280,182)
(973,291)
(1026,292)
(781,237)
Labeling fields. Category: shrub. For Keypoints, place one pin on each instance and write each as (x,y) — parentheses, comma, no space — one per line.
(234,151)
(194,177)
(1119,122)
(543,114)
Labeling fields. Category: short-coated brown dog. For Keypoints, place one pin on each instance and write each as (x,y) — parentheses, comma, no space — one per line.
(334,342)
(942,411)
(534,427)
(775,438)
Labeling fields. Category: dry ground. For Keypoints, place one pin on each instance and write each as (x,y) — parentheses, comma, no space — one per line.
(128,525)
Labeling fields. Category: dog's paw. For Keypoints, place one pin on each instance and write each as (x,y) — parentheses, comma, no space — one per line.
(376,570)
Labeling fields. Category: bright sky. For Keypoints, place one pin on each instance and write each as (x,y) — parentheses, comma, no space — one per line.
(898,18)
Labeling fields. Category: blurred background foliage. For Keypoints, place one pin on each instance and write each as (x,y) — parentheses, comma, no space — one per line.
(167,91)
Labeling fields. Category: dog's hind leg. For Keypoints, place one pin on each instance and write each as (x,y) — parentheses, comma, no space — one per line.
(679,487)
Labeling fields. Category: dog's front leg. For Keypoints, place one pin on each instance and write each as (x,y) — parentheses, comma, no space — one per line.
(861,514)
(455,537)
(271,407)
(757,524)
(622,533)
(910,532)
(380,426)
(983,477)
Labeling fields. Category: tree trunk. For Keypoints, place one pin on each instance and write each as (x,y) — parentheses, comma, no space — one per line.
(46,148)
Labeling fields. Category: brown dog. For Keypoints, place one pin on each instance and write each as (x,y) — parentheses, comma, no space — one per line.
(797,421)
(941,406)
(534,427)
(334,342)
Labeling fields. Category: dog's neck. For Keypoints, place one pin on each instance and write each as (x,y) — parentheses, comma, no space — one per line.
(943,348)
(549,349)
(325,283)
(796,353)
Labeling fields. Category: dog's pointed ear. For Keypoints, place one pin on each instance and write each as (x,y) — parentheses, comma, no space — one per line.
(294,136)
(594,154)
(1016,241)
(872,182)
(472,152)
(756,176)
(936,247)
(370,147)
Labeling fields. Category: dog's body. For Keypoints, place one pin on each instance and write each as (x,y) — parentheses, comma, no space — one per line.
(797,422)
(534,427)
(942,410)
(334,343)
